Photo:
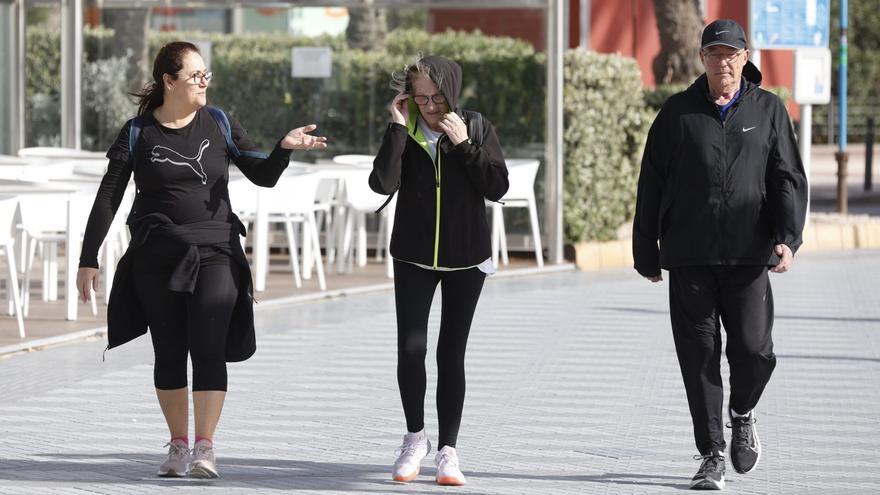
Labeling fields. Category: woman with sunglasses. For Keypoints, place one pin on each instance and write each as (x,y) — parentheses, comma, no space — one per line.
(442,177)
(184,274)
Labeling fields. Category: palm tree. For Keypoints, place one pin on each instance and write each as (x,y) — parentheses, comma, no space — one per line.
(680,25)
(130,40)
(367,27)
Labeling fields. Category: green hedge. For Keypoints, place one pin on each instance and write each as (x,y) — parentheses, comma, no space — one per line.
(105,103)
(503,78)
(605,126)
(605,114)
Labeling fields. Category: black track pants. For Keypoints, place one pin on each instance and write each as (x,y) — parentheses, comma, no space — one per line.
(182,324)
(701,299)
(413,291)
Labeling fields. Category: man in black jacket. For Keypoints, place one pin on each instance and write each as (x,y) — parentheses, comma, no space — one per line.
(722,188)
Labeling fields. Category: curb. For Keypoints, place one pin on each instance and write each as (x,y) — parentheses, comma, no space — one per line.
(824,233)
(39,344)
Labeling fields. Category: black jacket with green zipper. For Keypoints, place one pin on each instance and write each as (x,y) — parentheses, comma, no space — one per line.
(440,219)
(719,192)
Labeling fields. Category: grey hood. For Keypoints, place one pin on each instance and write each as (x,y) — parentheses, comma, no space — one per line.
(446,74)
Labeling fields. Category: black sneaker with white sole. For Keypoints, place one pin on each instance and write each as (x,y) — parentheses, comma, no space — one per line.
(710,476)
(745,448)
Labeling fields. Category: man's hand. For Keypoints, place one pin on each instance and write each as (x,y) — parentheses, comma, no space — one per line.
(786,258)
(658,278)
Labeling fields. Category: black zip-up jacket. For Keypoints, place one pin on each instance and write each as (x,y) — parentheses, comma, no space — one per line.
(457,234)
(719,192)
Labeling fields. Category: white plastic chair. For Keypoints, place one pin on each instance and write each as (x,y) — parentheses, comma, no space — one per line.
(360,201)
(520,194)
(290,202)
(44,223)
(356,160)
(53,153)
(329,210)
(243,200)
(116,241)
(8,207)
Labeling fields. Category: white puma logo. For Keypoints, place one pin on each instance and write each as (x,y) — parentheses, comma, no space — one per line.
(161,154)
(747,129)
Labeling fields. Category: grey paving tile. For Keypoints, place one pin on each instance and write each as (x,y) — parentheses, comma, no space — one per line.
(573,388)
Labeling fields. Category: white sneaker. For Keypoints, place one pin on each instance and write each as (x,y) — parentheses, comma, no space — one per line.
(178,460)
(203,465)
(409,456)
(448,473)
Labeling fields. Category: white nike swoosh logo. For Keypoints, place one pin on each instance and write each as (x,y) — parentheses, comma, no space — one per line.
(720,32)
(747,129)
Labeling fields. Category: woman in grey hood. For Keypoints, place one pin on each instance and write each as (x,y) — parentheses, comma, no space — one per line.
(443,162)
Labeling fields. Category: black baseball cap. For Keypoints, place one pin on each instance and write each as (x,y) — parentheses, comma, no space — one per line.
(723,32)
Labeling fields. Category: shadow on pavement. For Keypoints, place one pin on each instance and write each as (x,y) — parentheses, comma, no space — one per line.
(844,319)
(139,469)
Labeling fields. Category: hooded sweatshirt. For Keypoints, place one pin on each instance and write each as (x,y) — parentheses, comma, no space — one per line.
(718,191)
(440,219)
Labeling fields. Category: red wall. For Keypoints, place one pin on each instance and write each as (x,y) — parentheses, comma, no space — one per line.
(527,24)
(628,27)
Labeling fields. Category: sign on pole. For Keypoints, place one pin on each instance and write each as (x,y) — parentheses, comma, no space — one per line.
(788,24)
(311,61)
(812,76)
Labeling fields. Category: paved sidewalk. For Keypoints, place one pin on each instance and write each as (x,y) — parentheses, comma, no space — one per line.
(573,388)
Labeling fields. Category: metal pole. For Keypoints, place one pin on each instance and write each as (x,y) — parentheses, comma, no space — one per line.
(805,143)
(553,174)
(830,121)
(869,155)
(842,156)
(71,73)
(18,80)
(584,24)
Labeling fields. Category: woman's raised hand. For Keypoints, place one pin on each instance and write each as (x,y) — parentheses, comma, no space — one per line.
(399,109)
(454,128)
(300,139)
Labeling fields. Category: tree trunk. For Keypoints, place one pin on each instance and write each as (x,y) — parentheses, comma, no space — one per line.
(131,41)
(367,28)
(680,26)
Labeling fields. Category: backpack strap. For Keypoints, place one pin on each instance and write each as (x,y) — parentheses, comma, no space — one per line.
(475,126)
(226,129)
(390,197)
(134,132)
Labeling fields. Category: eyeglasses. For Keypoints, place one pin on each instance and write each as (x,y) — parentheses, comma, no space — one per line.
(423,99)
(198,76)
(717,57)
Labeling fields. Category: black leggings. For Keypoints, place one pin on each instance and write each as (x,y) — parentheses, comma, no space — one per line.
(413,292)
(182,324)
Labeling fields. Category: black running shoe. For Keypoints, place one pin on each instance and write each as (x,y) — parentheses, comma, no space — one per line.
(745,448)
(711,473)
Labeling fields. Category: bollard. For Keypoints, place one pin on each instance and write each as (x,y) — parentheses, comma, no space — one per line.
(869,154)
(842,200)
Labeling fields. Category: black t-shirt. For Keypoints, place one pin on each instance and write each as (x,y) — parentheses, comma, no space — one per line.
(182,173)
